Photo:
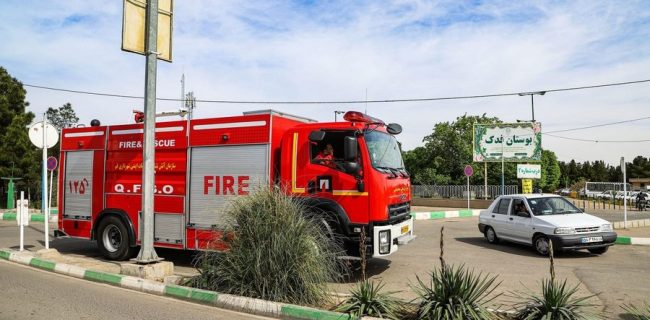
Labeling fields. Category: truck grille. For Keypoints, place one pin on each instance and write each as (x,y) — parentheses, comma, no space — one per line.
(399,209)
(587,229)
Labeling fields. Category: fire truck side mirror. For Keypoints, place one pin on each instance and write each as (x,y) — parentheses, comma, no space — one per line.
(351,168)
(394,128)
(316,136)
(350,149)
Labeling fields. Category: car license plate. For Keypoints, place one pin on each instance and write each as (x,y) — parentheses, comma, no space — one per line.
(405,229)
(592,239)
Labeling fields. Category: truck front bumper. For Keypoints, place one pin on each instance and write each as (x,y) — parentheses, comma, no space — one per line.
(387,239)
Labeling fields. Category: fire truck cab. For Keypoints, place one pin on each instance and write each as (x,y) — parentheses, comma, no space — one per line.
(350,172)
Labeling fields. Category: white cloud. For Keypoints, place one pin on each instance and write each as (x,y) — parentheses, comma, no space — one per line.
(262,50)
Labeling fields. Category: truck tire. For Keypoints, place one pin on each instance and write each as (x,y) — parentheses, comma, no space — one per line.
(113,239)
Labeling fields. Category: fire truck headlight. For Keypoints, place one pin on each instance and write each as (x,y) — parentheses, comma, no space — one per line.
(384,242)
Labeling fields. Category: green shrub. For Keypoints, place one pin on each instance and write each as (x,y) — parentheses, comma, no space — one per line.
(453,292)
(557,302)
(639,313)
(367,299)
(276,252)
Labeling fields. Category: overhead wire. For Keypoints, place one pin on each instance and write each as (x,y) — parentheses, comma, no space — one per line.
(403,100)
(597,141)
(345,101)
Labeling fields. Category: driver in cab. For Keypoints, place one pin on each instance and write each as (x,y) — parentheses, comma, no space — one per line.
(326,156)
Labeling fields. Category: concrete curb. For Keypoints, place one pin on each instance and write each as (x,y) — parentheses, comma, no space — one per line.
(225,301)
(434,215)
(633,241)
(34,217)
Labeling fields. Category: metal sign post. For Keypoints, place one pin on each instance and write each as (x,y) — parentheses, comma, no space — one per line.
(44,201)
(22,218)
(469,171)
(43,135)
(51,166)
(624,193)
(147,252)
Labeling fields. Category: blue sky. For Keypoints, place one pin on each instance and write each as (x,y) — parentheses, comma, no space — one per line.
(338,50)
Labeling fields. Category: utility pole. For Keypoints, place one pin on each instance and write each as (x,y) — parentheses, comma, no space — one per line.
(183,91)
(147,252)
(190,104)
(532,99)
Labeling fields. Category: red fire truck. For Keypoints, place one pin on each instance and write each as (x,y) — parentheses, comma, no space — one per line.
(202,164)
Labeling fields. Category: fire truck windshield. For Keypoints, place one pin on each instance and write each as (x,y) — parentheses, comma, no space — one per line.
(384,150)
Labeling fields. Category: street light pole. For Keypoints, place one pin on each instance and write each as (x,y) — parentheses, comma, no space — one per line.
(532,99)
(337,113)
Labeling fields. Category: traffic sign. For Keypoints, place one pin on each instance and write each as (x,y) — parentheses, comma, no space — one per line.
(469,171)
(36,135)
(52,163)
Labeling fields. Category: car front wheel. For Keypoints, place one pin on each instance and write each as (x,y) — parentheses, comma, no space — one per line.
(490,235)
(542,245)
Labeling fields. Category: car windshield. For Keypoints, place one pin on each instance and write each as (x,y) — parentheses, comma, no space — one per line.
(551,206)
(384,150)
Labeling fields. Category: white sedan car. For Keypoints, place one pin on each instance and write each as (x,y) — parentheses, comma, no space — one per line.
(534,219)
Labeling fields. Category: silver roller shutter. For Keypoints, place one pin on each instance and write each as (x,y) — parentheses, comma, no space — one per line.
(168,228)
(206,210)
(78,185)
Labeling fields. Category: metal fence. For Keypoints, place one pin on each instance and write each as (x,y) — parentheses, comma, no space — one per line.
(460,191)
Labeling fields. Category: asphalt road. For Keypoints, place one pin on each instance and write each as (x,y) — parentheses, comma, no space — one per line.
(34,294)
(622,275)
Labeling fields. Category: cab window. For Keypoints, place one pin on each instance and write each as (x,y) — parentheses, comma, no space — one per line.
(519,208)
(329,151)
(502,207)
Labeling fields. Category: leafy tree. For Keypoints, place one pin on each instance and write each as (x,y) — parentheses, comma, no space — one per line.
(599,171)
(639,168)
(16,147)
(550,179)
(61,117)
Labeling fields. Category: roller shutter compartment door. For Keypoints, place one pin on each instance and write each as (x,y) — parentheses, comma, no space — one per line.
(219,174)
(78,185)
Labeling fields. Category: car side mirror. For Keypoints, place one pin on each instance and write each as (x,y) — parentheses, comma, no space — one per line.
(350,149)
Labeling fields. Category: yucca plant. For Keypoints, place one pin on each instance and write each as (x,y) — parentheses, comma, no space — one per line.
(454,292)
(276,251)
(367,299)
(557,301)
(638,313)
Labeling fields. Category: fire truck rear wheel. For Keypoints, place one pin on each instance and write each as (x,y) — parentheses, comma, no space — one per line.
(113,239)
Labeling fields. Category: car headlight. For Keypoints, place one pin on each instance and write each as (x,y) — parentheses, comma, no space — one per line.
(565,230)
(606,227)
(384,242)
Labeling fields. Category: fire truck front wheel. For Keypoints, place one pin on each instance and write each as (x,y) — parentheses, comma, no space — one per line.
(113,239)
